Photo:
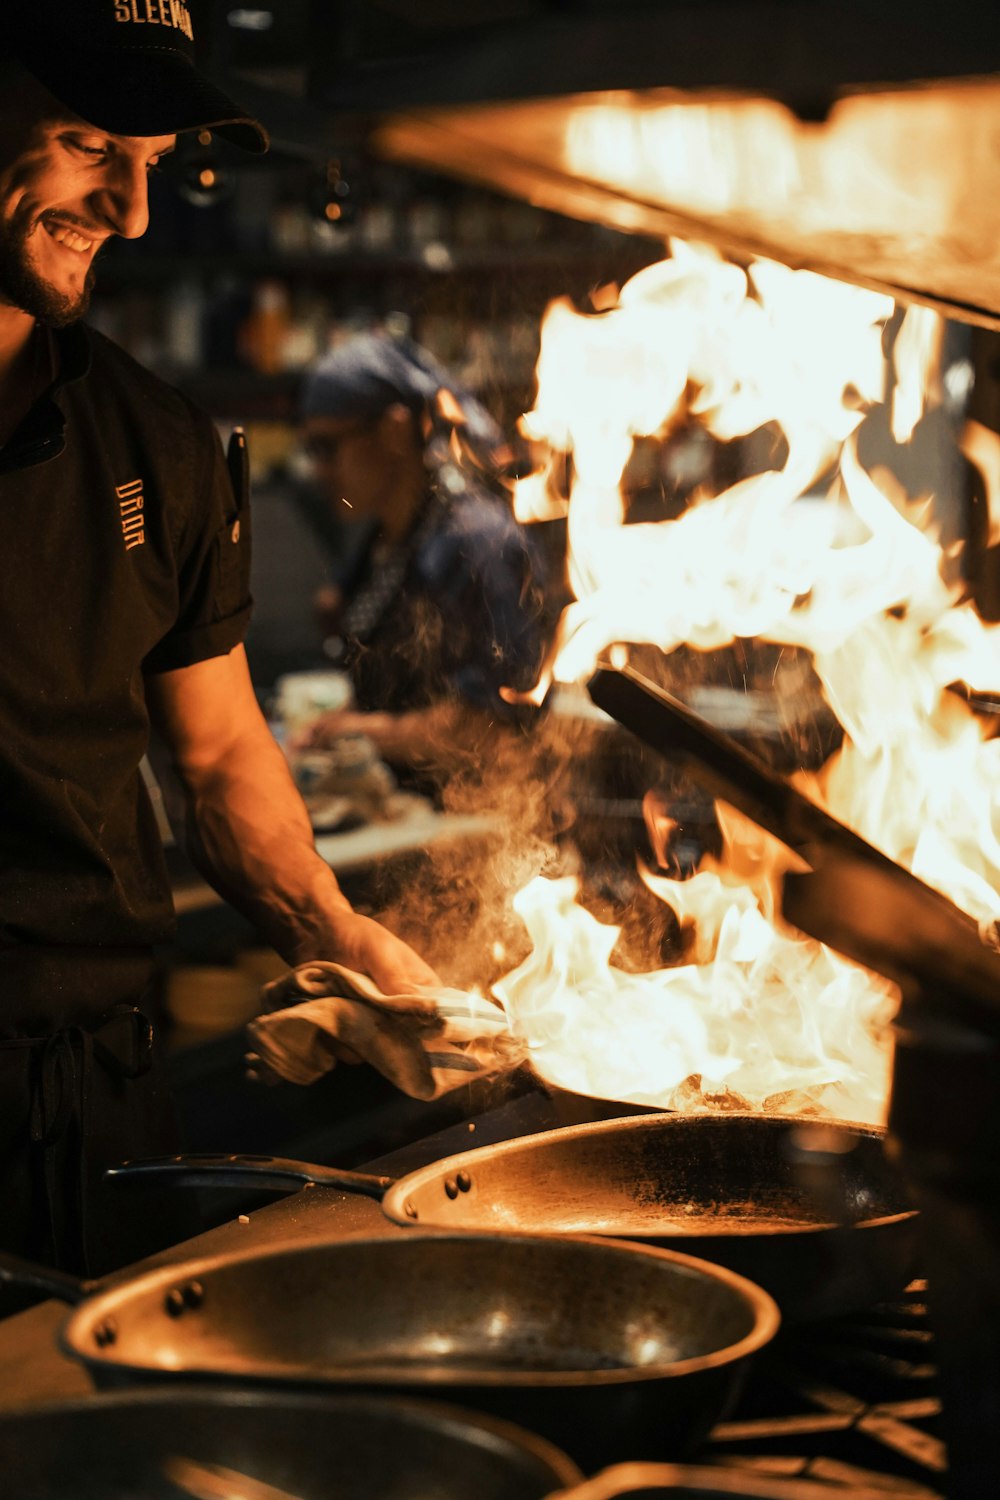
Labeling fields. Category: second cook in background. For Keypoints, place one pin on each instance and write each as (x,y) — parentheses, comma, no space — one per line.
(444,603)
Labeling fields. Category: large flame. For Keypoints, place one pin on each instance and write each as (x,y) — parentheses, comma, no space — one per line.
(813,554)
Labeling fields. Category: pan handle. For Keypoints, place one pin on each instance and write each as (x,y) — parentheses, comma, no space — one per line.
(28,1277)
(269,1173)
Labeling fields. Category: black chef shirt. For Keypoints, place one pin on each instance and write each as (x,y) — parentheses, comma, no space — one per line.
(124,554)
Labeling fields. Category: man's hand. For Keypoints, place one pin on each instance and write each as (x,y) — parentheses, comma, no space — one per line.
(367,946)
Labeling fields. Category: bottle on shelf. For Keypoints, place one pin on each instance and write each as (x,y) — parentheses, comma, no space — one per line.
(264,335)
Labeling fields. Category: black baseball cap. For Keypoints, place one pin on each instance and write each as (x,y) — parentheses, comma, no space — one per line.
(126,66)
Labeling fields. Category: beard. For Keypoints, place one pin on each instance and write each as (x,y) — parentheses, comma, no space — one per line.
(21,286)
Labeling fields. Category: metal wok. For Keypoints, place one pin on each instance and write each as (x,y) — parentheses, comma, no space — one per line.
(611,1350)
(170,1444)
(811,1211)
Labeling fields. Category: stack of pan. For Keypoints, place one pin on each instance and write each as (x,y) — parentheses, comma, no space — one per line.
(605,1285)
(541,1280)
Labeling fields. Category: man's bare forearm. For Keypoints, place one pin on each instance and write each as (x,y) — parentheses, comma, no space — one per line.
(248,833)
(248,830)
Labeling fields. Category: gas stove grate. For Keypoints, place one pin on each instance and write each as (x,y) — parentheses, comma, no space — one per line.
(852,1402)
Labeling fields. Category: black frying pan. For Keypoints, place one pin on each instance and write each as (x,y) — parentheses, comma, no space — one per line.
(811,1211)
(609,1349)
(172,1444)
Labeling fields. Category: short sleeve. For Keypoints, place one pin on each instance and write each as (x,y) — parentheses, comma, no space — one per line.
(213,565)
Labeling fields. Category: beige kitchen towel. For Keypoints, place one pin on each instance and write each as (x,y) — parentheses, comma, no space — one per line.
(427,1041)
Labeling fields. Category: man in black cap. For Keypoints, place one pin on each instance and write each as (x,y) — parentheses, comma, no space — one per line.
(124,603)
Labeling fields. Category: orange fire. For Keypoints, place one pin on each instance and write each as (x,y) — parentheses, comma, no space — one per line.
(814,554)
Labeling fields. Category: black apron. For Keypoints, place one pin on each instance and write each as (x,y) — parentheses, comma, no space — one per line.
(82,1086)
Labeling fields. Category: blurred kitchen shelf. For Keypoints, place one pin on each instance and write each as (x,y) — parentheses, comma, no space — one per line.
(126,269)
(240,394)
(230,392)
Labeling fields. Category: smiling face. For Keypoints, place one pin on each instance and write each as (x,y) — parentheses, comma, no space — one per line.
(65,189)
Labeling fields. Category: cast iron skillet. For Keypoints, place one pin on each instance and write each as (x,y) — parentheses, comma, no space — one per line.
(171,1444)
(609,1349)
(810,1210)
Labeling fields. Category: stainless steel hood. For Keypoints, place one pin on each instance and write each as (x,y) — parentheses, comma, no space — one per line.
(863,142)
